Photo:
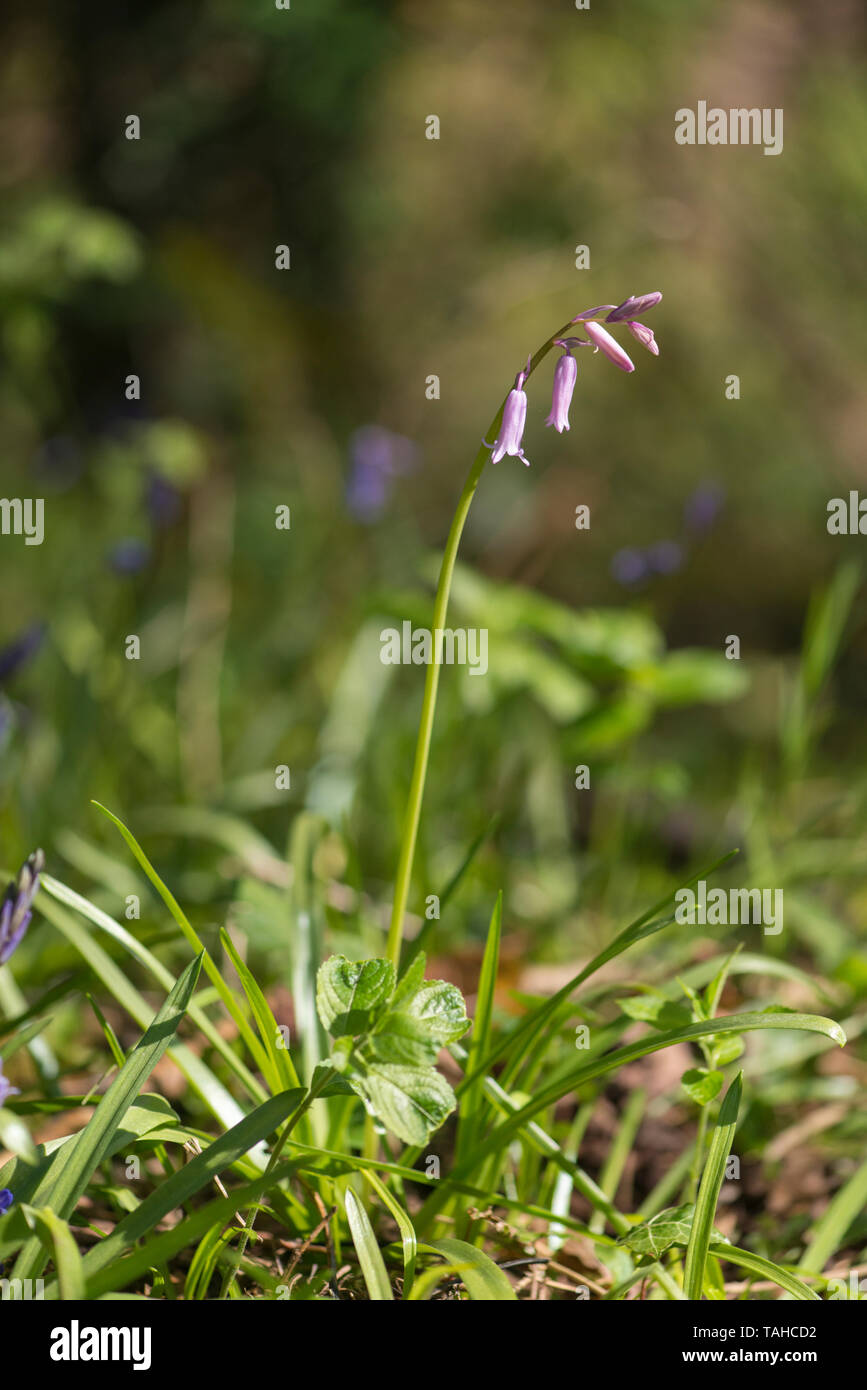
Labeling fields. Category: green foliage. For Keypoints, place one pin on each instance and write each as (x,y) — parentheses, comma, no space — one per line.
(387,1038)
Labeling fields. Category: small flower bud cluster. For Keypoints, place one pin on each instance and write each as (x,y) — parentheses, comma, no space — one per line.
(511,433)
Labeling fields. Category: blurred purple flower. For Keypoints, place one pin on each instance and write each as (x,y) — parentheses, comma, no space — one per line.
(376,457)
(6,1200)
(6,1090)
(703,507)
(508,441)
(15,912)
(665,557)
(163,501)
(629,566)
(565,376)
(129,556)
(19,651)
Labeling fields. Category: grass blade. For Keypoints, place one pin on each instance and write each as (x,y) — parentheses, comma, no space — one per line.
(709,1190)
(829,1232)
(484,1281)
(64,1185)
(765,1269)
(369,1255)
(187,1181)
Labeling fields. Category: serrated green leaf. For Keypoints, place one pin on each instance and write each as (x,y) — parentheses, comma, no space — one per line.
(421,1024)
(350,993)
(411,1101)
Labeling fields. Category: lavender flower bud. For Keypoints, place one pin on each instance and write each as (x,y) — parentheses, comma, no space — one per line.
(15,911)
(633,306)
(565,375)
(644,336)
(602,339)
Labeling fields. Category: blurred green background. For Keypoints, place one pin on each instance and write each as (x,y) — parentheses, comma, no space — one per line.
(306,388)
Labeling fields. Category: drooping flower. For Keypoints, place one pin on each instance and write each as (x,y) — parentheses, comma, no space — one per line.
(644,335)
(565,376)
(15,912)
(602,339)
(508,441)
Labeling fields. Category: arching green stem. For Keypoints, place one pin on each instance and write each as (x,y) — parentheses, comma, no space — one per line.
(428,708)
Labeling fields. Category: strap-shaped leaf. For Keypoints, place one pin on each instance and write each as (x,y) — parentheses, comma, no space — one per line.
(709,1190)
(65,1182)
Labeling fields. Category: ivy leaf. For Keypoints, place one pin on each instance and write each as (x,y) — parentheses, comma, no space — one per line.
(667,1228)
(387,1037)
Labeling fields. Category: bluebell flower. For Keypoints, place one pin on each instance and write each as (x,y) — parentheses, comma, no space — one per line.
(15,912)
(377,456)
(19,651)
(629,566)
(665,557)
(6,1200)
(129,556)
(703,507)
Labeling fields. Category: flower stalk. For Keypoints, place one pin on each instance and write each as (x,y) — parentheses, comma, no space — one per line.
(507,440)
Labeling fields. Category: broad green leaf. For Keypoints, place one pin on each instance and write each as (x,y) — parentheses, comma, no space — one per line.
(709,1190)
(419,1025)
(667,1228)
(656,1009)
(411,1101)
(349,994)
(702,1085)
(387,1039)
